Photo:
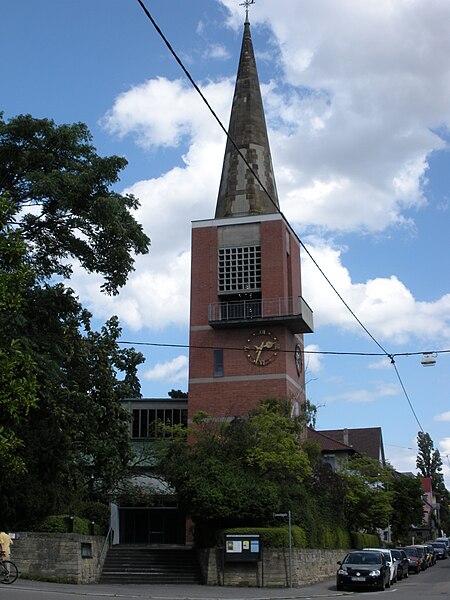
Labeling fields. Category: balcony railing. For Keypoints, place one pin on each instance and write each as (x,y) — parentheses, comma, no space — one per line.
(292,312)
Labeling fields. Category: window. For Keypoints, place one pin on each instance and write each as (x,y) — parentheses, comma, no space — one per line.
(239,269)
(218,363)
(145,421)
(86,550)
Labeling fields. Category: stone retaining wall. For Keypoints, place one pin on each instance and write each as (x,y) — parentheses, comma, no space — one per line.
(308,566)
(65,557)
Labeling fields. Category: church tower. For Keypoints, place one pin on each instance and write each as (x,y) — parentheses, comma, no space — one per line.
(247,316)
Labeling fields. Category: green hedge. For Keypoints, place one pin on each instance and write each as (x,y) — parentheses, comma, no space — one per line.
(61,524)
(365,540)
(278,537)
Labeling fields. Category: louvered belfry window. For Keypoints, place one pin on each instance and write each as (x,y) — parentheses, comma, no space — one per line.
(239,269)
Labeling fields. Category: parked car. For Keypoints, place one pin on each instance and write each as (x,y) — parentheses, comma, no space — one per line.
(431,552)
(363,568)
(389,560)
(445,540)
(440,550)
(423,556)
(401,559)
(414,559)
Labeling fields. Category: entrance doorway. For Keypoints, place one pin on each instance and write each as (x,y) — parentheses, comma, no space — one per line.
(152,525)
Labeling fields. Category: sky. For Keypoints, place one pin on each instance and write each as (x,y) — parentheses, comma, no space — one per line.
(357,101)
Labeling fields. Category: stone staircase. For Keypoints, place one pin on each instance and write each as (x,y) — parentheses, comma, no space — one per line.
(151,564)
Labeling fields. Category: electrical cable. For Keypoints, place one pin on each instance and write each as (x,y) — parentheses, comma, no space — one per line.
(188,75)
(320,352)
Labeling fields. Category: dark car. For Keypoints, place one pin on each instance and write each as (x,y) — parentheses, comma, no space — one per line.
(440,549)
(402,561)
(414,559)
(363,568)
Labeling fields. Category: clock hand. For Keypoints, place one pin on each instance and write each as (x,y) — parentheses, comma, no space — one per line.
(259,349)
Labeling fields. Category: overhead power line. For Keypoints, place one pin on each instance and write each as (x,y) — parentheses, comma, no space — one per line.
(229,137)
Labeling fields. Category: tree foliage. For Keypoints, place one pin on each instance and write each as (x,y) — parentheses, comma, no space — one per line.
(367,499)
(63,432)
(60,190)
(407,505)
(230,472)
(18,385)
(429,461)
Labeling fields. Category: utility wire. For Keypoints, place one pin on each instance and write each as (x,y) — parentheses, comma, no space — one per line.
(188,75)
(321,352)
(407,397)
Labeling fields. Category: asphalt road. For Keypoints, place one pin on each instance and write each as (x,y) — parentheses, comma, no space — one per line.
(432,584)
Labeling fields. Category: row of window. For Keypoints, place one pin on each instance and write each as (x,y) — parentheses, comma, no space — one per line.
(147,422)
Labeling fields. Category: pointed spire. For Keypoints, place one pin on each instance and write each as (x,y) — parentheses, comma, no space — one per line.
(240,194)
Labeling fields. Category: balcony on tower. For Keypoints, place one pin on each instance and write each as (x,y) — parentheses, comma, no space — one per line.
(293,313)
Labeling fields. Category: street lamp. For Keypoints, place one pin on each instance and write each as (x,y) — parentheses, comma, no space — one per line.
(428,359)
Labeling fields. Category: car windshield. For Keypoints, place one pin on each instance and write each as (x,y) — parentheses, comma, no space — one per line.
(411,551)
(363,558)
(396,553)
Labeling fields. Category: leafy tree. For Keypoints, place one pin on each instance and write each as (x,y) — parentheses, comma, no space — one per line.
(63,428)
(177,394)
(18,384)
(59,187)
(407,505)
(239,472)
(367,499)
(429,462)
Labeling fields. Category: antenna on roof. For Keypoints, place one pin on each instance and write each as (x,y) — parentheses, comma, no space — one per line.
(247,3)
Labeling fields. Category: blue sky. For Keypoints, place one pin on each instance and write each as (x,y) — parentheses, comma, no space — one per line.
(357,101)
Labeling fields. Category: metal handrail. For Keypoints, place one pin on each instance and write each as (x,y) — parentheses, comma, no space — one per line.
(106,544)
(272,307)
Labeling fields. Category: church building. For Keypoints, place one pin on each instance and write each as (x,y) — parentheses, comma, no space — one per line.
(247,316)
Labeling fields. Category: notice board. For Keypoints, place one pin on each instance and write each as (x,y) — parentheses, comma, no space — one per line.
(242,547)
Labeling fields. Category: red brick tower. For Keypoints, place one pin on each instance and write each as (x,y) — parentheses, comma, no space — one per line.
(247,315)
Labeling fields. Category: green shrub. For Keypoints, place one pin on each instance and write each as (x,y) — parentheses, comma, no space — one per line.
(61,524)
(274,537)
(278,537)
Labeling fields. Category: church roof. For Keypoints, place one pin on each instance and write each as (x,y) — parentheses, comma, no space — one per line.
(240,194)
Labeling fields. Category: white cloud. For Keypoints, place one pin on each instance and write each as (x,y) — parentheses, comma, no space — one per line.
(217,51)
(175,370)
(445,416)
(355,114)
(313,364)
(160,112)
(384,304)
(362,396)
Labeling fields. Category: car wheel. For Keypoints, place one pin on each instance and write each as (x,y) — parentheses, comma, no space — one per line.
(382,586)
(406,574)
(339,587)
(388,584)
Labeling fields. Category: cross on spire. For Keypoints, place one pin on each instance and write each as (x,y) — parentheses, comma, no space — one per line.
(247,3)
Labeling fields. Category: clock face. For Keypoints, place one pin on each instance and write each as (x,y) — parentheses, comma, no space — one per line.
(298,359)
(261,347)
